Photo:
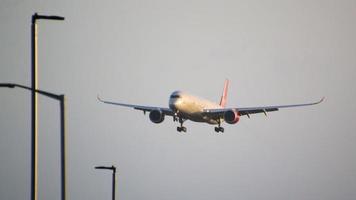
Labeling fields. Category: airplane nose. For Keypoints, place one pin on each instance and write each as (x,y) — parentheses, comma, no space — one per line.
(173,103)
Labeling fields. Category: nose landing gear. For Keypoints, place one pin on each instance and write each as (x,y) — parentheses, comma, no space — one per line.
(175,116)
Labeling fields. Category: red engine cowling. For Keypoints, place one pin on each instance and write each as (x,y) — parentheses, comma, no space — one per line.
(231,116)
(156,116)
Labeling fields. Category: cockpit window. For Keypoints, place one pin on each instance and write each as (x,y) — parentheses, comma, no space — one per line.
(173,96)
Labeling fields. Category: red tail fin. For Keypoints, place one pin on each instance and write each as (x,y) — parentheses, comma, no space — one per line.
(223,99)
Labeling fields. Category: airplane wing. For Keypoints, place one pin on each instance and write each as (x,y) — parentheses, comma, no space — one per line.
(254,110)
(166,111)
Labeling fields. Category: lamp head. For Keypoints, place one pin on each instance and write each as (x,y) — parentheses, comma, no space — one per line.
(104,167)
(48,17)
(9,85)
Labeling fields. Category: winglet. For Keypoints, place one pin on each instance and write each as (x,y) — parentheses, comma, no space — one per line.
(321,100)
(223,99)
(99,99)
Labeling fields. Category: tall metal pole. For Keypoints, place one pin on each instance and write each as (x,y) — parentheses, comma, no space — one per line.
(34,113)
(34,85)
(62,101)
(113,168)
(113,182)
(63,147)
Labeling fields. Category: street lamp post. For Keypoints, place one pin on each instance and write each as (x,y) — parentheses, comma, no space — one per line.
(34,118)
(113,168)
(61,99)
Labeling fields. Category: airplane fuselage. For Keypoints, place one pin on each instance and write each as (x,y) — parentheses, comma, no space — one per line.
(192,107)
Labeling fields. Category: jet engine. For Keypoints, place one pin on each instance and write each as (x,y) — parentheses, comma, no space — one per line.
(156,116)
(231,116)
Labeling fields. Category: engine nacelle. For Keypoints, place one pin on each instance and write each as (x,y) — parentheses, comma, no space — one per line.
(156,116)
(231,116)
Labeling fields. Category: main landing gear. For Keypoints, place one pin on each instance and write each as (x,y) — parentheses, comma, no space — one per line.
(219,128)
(181,127)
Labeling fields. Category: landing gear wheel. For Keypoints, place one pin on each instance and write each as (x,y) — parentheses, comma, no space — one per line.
(181,128)
(219,129)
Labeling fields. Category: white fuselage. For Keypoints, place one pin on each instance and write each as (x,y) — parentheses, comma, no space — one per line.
(192,107)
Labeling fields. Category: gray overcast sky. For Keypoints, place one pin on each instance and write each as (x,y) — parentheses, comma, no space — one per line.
(135,51)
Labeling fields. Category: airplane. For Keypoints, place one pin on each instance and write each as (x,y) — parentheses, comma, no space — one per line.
(184,106)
